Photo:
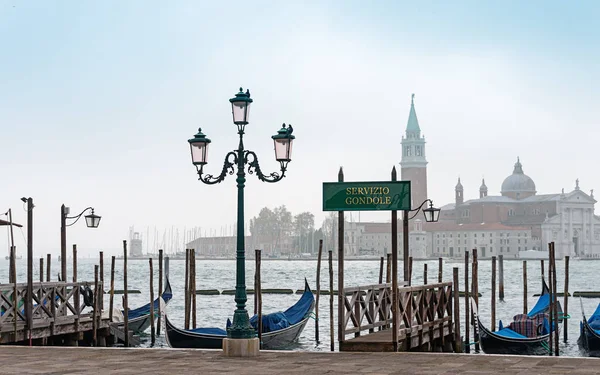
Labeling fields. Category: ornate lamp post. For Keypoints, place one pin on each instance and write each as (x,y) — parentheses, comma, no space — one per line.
(92,221)
(431,214)
(238,159)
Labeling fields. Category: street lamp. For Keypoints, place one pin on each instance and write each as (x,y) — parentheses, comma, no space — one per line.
(431,214)
(91,220)
(238,159)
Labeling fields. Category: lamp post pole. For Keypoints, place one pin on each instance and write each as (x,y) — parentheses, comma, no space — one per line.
(240,328)
(240,158)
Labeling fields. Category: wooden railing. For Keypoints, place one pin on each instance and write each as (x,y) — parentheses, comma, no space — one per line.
(52,302)
(421,311)
(367,308)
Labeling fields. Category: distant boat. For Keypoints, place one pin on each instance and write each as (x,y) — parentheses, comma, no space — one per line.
(17,258)
(533,254)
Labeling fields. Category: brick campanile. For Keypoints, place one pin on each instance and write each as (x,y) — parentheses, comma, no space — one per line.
(413,165)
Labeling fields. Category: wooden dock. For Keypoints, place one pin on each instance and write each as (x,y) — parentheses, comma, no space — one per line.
(54,314)
(55,360)
(424,318)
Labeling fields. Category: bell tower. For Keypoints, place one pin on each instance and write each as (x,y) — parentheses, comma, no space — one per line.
(413,165)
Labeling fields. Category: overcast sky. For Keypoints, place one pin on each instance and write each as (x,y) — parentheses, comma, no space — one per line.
(98,99)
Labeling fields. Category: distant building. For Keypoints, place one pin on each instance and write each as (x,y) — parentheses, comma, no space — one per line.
(566,218)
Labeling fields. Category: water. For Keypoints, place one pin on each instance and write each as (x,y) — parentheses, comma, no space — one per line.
(213,311)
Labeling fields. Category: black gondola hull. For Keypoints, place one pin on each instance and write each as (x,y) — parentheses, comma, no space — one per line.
(496,344)
(589,340)
(179,338)
(282,339)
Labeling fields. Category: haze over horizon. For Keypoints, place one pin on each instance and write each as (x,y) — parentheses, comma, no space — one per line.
(98,100)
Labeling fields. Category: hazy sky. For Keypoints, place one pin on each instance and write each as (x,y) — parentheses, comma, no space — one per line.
(98,99)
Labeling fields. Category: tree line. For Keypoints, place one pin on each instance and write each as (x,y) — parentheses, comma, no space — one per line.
(280,227)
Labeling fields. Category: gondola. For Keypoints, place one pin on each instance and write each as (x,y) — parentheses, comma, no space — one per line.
(139,319)
(280,329)
(508,341)
(589,333)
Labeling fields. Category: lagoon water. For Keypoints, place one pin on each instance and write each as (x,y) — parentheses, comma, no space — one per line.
(213,311)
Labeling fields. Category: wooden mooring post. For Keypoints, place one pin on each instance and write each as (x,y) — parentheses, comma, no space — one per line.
(41,270)
(160,289)
(441,270)
(187,290)
(29,300)
(167,259)
(77,291)
(381,267)
(112,288)
(193,291)
(566,301)
(340,270)
(319,255)
(48,267)
(125,295)
(258,292)
(551,312)
(13,270)
(394,299)
(555,301)
(475,290)
(331,324)
(425,274)
(388,271)
(467,345)
(501,277)
(493,293)
(524,287)
(101,281)
(457,343)
(152,328)
(410,270)
(95,310)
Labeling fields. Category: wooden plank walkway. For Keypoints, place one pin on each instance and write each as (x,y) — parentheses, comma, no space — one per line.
(381,341)
(66,360)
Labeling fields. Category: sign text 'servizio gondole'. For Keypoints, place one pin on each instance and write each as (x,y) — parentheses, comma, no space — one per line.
(366,196)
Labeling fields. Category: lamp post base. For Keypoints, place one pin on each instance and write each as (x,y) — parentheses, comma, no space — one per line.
(241,347)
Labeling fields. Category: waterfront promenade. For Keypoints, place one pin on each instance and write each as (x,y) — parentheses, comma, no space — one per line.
(72,360)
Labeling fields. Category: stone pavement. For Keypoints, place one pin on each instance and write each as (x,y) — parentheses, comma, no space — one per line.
(69,360)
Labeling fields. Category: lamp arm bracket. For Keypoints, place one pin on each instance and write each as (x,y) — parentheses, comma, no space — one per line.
(228,168)
(251,159)
(77,217)
(418,209)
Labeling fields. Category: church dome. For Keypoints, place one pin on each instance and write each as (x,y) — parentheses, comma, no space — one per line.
(518,184)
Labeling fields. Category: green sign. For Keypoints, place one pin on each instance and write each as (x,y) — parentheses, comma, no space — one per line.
(366,196)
